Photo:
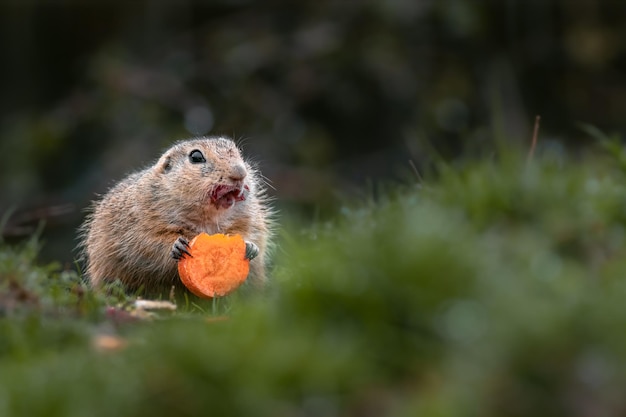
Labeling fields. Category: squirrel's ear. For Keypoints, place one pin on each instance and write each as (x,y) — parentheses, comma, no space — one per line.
(165,165)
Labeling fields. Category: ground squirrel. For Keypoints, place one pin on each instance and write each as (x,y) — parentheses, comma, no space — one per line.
(141,227)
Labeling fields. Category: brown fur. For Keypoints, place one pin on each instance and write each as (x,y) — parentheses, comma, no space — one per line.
(128,235)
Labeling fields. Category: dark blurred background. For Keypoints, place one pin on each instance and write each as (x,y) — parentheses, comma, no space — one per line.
(327,96)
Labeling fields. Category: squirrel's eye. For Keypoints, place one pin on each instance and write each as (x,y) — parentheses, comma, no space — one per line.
(196,157)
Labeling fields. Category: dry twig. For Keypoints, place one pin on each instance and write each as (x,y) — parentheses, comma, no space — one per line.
(533,144)
(417,173)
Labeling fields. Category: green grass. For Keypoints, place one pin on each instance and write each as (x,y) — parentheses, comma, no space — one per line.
(495,290)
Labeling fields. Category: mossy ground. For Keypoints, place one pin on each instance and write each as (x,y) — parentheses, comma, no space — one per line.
(496,289)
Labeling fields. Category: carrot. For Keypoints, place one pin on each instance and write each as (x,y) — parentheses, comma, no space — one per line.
(216,267)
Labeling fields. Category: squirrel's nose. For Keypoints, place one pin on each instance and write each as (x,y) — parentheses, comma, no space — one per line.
(238,172)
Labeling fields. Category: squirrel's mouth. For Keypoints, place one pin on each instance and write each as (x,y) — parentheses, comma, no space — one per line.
(225,196)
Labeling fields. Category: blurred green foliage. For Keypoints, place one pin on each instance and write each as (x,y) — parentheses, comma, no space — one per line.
(325,95)
(495,290)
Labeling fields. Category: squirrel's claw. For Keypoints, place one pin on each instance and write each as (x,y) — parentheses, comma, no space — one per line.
(179,249)
(252,251)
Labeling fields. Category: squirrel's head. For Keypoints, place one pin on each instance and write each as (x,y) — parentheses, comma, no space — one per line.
(211,168)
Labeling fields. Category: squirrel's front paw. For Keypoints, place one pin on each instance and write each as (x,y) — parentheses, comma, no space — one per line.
(180,248)
(252,251)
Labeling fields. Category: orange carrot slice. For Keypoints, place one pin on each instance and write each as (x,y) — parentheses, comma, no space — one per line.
(216,267)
